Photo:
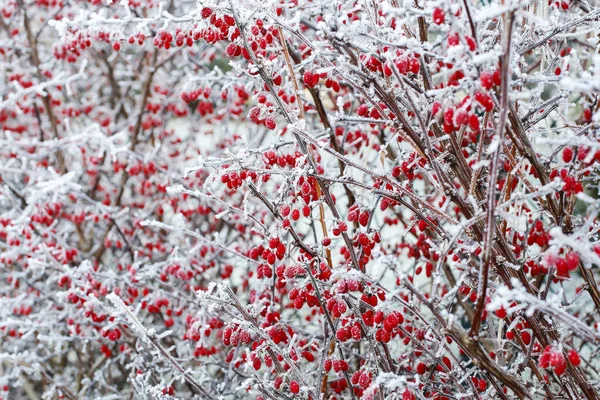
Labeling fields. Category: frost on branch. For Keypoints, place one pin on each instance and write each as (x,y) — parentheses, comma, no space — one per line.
(299,200)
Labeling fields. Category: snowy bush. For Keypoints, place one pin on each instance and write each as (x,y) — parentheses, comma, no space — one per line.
(242,199)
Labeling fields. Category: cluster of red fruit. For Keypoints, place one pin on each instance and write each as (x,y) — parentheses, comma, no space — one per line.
(571,184)
(553,358)
(111,334)
(235,335)
(564,265)
(538,235)
(234,180)
(255,116)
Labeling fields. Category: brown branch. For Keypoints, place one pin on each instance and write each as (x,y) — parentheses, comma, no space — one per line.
(493,177)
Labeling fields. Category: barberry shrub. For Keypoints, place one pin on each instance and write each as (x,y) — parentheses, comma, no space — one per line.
(299,200)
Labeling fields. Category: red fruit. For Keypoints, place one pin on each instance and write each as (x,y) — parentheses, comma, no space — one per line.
(387,70)
(295,214)
(526,337)
(449,116)
(363,239)
(545,357)
(206,12)
(294,387)
(362,110)
(474,123)
(356,333)
(453,39)
(485,100)
(422,225)
(558,362)
(500,313)
(438,16)
(487,80)
(415,66)
(285,210)
(390,322)
(306,211)
(435,108)
(231,49)
(408,395)
(481,385)
(567,154)
(355,377)
(461,117)
(573,357)
(560,368)
(471,43)
(363,218)
(496,77)
(572,260)
(562,267)
(310,79)
(270,123)
(421,367)
(116,46)
(364,381)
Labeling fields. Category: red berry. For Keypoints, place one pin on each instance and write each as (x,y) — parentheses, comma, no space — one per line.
(438,16)
(572,260)
(526,337)
(408,395)
(474,123)
(500,313)
(567,154)
(206,12)
(310,79)
(270,123)
(296,214)
(573,357)
(364,381)
(390,322)
(285,210)
(487,80)
(363,218)
(231,49)
(294,387)
(355,377)
(362,110)
(481,385)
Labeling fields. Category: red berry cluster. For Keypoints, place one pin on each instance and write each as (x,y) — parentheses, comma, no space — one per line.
(571,186)
(553,358)
(235,335)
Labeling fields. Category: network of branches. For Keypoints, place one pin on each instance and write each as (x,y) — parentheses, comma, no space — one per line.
(235,199)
